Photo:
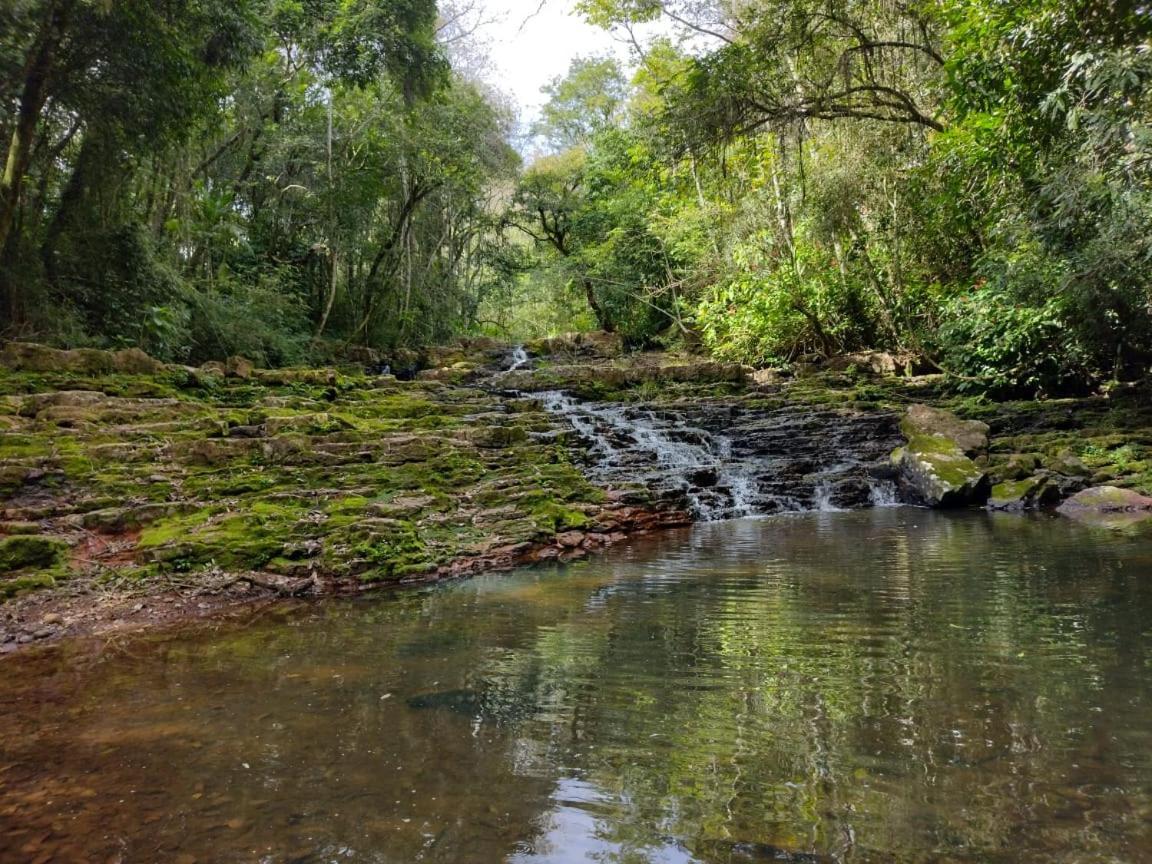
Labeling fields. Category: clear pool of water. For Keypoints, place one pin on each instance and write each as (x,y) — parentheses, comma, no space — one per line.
(887,685)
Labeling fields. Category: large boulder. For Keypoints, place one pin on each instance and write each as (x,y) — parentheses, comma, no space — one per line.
(935,466)
(238,367)
(971,436)
(1108,506)
(133,361)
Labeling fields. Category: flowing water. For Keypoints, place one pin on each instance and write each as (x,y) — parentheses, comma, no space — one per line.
(890,685)
(519,357)
(785,460)
(628,444)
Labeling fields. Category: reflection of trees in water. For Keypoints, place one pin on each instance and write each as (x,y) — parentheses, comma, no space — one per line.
(870,687)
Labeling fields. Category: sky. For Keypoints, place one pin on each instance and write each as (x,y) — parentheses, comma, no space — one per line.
(529,48)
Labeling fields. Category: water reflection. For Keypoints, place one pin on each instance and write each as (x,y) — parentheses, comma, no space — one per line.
(892,685)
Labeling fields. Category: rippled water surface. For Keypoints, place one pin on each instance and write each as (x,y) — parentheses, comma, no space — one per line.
(893,685)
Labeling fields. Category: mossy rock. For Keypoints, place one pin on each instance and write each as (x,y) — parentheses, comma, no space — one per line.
(29,581)
(1109,507)
(239,367)
(212,452)
(133,361)
(552,516)
(934,471)
(1108,499)
(1068,463)
(287,377)
(384,549)
(29,357)
(970,436)
(495,437)
(321,423)
(1029,494)
(118,519)
(1018,466)
(12,528)
(596,343)
(243,541)
(31,552)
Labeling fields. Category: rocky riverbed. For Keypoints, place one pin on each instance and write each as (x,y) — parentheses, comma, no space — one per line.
(134,492)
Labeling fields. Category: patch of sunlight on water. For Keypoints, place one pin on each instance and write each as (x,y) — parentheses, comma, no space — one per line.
(893,685)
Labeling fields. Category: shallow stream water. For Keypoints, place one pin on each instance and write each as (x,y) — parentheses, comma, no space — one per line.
(884,685)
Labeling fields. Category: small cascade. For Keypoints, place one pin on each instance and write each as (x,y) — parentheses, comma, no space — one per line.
(519,358)
(720,461)
(632,445)
(885,493)
(822,499)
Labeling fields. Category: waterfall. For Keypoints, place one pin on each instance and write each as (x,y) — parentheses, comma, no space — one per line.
(720,464)
(519,358)
(637,445)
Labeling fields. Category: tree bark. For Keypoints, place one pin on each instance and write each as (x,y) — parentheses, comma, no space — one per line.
(602,317)
(34,93)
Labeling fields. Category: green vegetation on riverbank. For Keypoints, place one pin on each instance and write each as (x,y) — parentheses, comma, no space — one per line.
(962,183)
(179,475)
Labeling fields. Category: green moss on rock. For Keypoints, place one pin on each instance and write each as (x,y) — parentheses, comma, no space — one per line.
(31,551)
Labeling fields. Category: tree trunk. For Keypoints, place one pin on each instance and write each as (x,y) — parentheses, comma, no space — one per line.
(72,198)
(36,74)
(601,316)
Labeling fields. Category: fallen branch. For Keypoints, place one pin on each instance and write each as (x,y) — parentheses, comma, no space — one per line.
(295,588)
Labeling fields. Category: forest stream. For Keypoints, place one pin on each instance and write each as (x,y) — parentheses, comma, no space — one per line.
(726,637)
(558,431)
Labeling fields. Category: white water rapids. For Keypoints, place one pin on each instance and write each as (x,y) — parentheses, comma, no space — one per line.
(665,453)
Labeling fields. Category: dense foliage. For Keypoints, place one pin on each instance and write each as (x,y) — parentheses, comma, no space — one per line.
(965,182)
(202,178)
(962,181)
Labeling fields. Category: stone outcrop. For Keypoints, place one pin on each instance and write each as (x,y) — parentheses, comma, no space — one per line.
(596,344)
(30,357)
(881,363)
(228,478)
(724,456)
(935,466)
(1031,493)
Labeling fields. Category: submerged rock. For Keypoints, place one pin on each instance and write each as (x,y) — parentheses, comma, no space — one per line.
(1108,507)
(935,466)
(463,701)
